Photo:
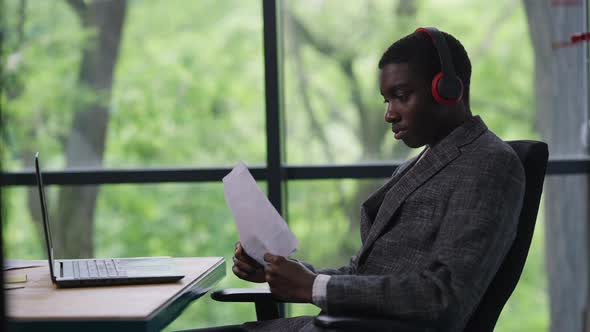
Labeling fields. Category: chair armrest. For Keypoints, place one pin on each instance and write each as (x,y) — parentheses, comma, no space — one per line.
(243,295)
(350,324)
(267,307)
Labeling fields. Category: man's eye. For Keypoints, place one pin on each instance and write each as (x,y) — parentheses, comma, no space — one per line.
(403,97)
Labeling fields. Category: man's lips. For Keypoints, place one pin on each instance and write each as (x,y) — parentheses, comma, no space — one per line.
(399,132)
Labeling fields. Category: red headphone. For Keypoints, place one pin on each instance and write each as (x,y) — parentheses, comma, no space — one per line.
(447,87)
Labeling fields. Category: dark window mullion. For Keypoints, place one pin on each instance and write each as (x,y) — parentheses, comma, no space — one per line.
(556,167)
(272,85)
(274,132)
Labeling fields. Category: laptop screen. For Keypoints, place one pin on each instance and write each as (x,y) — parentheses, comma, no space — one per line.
(46,228)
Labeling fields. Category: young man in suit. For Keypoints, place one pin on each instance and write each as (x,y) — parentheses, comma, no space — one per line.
(435,233)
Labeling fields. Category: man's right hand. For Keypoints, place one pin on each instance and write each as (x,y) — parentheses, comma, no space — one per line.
(245,267)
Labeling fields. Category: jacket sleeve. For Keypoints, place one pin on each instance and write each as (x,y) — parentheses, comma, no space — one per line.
(477,230)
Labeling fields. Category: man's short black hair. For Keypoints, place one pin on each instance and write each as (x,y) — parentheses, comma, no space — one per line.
(417,50)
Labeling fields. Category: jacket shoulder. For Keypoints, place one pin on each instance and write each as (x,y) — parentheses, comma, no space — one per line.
(488,151)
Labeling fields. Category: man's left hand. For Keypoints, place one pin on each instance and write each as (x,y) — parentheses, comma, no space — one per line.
(289,280)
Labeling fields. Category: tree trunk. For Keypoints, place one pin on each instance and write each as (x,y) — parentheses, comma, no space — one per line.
(561,94)
(73,222)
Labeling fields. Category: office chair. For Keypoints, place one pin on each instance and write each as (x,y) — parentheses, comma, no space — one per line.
(533,156)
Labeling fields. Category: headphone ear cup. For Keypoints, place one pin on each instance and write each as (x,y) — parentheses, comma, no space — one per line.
(447,91)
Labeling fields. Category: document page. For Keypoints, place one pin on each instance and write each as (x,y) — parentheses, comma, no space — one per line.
(260,226)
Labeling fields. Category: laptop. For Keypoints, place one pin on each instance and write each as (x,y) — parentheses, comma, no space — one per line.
(102,271)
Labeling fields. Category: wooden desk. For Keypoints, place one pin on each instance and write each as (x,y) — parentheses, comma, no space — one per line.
(42,306)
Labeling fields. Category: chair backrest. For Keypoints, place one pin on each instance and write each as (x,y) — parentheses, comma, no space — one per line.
(533,156)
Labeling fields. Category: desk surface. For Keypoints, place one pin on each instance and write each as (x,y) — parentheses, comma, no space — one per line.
(154,306)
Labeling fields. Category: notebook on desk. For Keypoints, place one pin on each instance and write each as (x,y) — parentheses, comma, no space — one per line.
(102,271)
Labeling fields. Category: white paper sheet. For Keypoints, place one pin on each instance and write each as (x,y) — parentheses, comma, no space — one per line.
(260,226)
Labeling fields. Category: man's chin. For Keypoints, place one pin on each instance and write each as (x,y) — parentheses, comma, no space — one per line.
(412,144)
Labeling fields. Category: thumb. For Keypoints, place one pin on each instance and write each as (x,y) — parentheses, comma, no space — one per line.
(268,257)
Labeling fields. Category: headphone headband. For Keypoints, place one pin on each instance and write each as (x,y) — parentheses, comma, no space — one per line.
(447,87)
(444,54)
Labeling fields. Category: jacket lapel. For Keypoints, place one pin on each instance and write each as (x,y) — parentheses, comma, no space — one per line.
(370,207)
(404,183)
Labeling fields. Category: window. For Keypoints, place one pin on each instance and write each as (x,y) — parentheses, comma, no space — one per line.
(185,100)
(333,107)
(177,85)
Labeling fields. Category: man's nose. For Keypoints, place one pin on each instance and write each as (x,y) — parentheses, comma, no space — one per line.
(391,115)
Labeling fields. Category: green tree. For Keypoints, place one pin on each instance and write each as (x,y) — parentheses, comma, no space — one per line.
(84,143)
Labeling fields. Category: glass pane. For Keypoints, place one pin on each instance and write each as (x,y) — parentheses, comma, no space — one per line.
(182,220)
(333,106)
(158,83)
(324,215)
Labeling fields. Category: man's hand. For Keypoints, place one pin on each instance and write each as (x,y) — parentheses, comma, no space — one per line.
(245,267)
(289,280)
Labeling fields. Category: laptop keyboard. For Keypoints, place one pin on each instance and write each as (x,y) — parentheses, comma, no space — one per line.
(97,268)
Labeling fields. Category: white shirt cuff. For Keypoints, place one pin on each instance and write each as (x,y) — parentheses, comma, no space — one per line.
(320,290)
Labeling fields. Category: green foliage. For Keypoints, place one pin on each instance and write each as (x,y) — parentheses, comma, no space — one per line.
(188,91)
(501,86)
(39,91)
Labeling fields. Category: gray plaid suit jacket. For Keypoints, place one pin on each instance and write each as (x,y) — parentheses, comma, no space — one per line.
(433,235)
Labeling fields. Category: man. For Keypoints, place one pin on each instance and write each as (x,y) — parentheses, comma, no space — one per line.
(435,233)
